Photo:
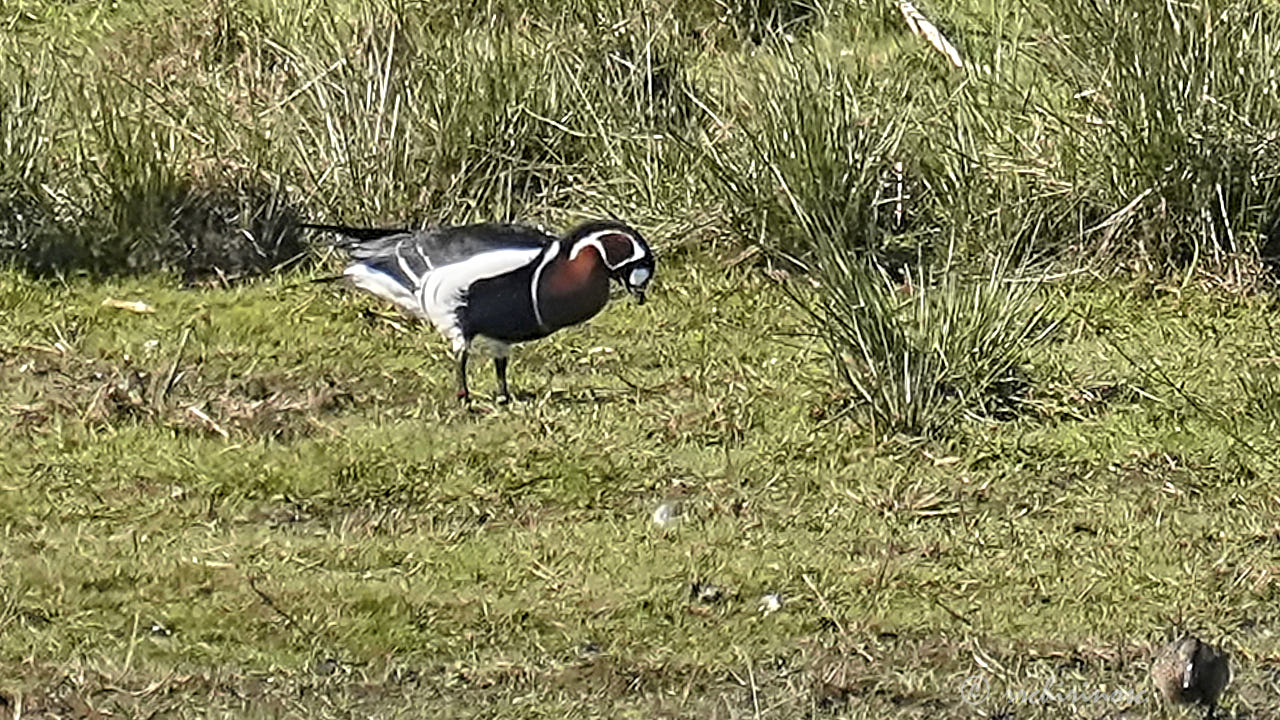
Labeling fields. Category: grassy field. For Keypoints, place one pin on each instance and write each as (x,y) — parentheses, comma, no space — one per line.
(340,538)
(260,498)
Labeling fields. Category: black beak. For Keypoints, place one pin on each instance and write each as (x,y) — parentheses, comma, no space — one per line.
(637,291)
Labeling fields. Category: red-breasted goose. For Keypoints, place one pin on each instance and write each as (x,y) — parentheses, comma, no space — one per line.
(504,283)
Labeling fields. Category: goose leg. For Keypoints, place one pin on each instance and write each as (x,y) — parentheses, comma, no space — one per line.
(500,366)
(462,374)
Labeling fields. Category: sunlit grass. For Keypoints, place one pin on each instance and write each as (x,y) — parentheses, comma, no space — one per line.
(261,499)
(391,533)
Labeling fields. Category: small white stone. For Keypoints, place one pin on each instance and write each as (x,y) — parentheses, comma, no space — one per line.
(668,514)
(770,603)
(706,593)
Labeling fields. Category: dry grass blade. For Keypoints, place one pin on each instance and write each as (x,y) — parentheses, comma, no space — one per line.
(920,25)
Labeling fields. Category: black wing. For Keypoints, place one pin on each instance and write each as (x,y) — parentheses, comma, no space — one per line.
(408,255)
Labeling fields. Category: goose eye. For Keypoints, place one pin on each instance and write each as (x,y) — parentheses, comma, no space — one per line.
(639,277)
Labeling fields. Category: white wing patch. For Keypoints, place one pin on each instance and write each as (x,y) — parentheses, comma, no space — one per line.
(440,291)
(593,240)
(443,288)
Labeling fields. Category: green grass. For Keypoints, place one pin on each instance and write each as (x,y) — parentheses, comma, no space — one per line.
(358,540)
(261,500)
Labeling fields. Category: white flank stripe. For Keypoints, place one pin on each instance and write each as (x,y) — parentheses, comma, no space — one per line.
(594,241)
(408,271)
(424,257)
(443,288)
(548,255)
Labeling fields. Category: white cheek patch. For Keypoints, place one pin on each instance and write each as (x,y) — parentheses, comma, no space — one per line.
(639,277)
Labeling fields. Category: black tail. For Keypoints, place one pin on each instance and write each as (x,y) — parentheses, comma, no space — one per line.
(358,234)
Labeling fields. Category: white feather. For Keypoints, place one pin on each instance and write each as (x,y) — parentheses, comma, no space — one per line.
(443,288)
(552,251)
(380,284)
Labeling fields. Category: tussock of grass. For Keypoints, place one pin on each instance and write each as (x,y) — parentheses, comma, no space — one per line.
(1194,163)
(236,119)
(920,352)
(810,159)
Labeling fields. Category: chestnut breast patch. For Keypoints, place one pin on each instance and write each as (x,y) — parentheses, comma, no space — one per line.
(565,278)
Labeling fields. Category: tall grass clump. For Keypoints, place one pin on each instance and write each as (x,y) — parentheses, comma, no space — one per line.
(816,177)
(28,211)
(127,158)
(488,122)
(196,142)
(1172,129)
(759,20)
(922,353)
(986,174)
(806,152)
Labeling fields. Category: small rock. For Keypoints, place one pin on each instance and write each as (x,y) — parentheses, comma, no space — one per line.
(326,667)
(706,593)
(668,514)
(770,603)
